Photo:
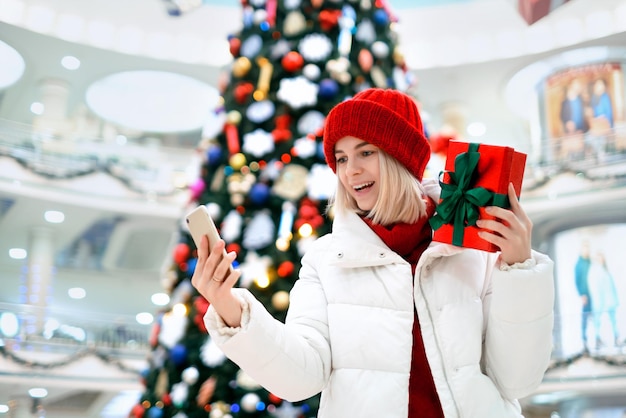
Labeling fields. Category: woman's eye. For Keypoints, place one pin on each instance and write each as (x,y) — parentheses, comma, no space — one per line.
(340,160)
(367,153)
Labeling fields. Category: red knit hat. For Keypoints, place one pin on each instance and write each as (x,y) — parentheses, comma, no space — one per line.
(386,118)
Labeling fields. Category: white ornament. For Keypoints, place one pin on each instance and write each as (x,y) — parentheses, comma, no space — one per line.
(231,226)
(366,32)
(259,16)
(305,147)
(310,122)
(249,401)
(190,375)
(259,232)
(321,182)
(258,143)
(179,393)
(294,23)
(311,71)
(292,4)
(259,112)
(172,329)
(253,267)
(210,354)
(251,46)
(380,49)
(298,92)
(315,47)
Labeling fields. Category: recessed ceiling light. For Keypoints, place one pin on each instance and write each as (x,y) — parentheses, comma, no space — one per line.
(77,293)
(4,408)
(160,299)
(18,253)
(70,63)
(38,392)
(144,318)
(37,108)
(13,65)
(9,324)
(54,216)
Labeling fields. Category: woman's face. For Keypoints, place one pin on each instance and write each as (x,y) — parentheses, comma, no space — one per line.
(358,170)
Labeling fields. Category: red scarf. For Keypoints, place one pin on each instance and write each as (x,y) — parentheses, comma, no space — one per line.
(410,241)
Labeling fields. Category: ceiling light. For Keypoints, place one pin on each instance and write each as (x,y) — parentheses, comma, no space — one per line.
(144,318)
(160,299)
(54,216)
(169,102)
(12,65)
(37,108)
(38,392)
(4,408)
(9,324)
(18,253)
(77,293)
(70,63)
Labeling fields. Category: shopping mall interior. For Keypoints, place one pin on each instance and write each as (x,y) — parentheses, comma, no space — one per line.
(103,105)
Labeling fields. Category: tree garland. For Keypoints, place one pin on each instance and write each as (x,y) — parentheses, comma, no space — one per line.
(72,358)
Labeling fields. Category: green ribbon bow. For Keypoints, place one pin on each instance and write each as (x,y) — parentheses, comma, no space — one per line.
(459,202)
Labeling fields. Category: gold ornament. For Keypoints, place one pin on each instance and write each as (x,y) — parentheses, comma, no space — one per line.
(233,117)
(280,300)
(241,66)
(237,161)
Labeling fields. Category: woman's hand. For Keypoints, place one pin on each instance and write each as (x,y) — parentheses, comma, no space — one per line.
(510,231)
(214,279)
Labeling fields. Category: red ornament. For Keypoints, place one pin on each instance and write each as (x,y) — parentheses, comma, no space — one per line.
(234,45)
(181,253)
(243,91)
(275,399)
(282,131)
(167,399)
(292,61)
(233,247)
(328,19)
(138,411)
(285,269)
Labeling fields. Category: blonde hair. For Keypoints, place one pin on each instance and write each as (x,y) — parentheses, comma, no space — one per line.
(400,199)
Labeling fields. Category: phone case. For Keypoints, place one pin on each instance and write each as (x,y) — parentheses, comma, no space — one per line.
(199,223)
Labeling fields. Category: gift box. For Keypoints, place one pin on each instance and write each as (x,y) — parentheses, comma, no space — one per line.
(475,176)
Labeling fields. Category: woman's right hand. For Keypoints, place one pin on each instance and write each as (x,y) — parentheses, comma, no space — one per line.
(214,279)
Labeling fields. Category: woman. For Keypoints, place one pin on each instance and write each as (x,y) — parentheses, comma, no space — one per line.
(382,321)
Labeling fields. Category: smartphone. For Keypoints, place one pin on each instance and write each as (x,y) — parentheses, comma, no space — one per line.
(200,223)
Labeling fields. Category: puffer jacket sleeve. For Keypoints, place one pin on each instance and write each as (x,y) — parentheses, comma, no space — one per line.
(291,360)
(518,340)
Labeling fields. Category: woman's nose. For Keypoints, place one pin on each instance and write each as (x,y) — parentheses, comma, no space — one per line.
(353,167)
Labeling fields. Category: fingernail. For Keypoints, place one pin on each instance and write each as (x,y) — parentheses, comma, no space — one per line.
(489,209)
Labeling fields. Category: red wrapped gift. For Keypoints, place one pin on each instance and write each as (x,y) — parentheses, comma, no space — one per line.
(475,176)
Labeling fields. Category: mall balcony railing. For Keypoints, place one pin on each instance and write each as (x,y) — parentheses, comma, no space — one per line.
(145,167)
(62,337)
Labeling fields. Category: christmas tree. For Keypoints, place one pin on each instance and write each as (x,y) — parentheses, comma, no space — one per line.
(265,182)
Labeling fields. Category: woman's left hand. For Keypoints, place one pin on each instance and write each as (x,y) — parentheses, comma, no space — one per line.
(510,231)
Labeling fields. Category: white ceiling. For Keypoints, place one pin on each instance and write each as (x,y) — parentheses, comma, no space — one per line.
(476,89)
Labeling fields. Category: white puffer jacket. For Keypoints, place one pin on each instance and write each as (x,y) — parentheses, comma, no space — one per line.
(487,331)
